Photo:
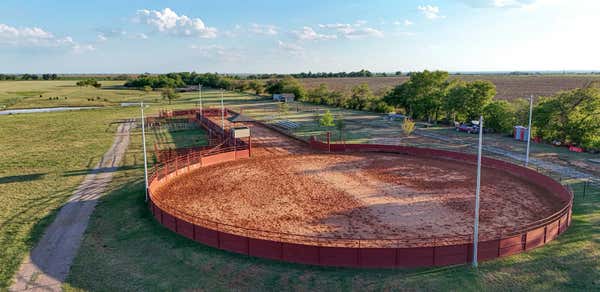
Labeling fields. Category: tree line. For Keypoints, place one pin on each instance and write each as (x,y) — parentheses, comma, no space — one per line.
(343,74)
(29,77)
(54,76)
(571,117)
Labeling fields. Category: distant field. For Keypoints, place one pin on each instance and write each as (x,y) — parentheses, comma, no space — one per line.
(31,94)
(508,87)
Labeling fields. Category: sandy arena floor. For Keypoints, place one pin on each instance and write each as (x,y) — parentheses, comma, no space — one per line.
(356,196)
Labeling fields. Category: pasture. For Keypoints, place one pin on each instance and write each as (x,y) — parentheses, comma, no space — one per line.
(508,87)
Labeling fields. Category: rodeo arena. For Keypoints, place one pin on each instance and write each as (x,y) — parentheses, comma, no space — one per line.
(260,191)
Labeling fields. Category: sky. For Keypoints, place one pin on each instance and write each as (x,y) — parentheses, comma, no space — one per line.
(274,36)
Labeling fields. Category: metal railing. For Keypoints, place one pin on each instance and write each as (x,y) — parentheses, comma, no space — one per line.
(385,240)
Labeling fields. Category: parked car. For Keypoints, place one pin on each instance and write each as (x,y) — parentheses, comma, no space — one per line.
(470,128)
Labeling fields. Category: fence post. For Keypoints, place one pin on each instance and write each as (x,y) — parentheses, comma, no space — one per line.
(188,161)
(585,187)
(329,141)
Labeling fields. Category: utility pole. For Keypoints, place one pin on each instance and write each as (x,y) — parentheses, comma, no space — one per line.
(200,97)
(222,112)
(529,130)
(477,192)
(144,146)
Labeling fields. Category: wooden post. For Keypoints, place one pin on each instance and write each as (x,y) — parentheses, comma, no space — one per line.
(250,146)
(329,141)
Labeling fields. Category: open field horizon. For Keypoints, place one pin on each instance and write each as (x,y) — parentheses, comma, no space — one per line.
(57,93)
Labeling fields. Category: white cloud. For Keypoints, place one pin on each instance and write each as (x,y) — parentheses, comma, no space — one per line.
(102,37)
(500,3)
(291,48)
(406,22)
(141,36)
(37,37)
(168,22)
(263,29)
(363,33)
(353,31)
(218,52)
(307,33)
(430,11)
(82,48)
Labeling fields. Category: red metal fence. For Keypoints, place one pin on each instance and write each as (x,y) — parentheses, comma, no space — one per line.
(356,252)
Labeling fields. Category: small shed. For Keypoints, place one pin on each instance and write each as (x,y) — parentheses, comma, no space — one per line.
(284,97)
(521,133)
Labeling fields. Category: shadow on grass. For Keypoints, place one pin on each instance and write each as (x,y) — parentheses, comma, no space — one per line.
(99,170)
(21,178)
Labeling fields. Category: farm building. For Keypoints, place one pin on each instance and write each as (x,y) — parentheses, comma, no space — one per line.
(285,97)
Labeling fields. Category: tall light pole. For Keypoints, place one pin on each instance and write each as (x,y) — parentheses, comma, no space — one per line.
(144,146)
(222,112)
(477,192)
(529,130)
(200,97)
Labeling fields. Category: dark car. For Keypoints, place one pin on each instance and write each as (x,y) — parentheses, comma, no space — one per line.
(468,127)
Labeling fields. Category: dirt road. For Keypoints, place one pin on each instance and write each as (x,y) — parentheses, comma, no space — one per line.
(47,265)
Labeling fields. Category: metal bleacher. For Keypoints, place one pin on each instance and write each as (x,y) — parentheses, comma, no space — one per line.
(287,125)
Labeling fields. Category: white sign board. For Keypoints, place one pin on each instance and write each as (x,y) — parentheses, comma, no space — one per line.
(241,132)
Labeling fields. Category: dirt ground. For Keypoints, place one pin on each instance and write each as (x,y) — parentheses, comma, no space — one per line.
(267,142)
(370,196)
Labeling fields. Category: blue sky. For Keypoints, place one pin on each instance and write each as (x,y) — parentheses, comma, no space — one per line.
(293,36)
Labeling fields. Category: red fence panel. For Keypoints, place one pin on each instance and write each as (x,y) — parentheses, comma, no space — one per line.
(233,243)
(169,221)
(300,253)
(185,228)
(451,254)
(511,245)
(157,214)
(485,250)
(377,257)
(339,256)
(265,249)
(415,257)
(206,236)
(552,231)
(535,238)
(564,221)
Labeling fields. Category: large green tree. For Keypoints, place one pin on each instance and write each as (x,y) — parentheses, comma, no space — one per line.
(169,94)
(499,116)
(361,97)
(466,100)
(287,85)
(570,117)
(421,96)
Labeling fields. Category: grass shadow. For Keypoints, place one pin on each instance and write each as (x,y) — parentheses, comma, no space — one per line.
(21,178)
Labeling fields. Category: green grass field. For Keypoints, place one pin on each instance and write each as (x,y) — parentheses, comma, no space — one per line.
(171,138)
(44,157)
